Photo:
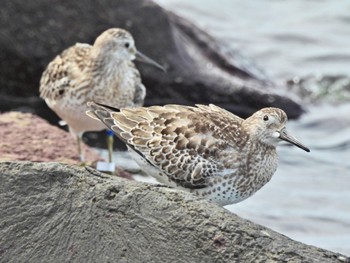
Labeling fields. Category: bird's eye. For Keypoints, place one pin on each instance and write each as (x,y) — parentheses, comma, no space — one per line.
(266,118)
(127,45)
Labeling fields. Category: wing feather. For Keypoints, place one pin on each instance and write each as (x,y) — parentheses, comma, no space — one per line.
(63,71)
(185,143)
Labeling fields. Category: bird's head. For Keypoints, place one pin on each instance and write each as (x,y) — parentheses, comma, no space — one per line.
(120,45)
(268,125)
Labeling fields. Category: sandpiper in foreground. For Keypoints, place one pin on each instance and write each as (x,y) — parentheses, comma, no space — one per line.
(103,72)
(205,150)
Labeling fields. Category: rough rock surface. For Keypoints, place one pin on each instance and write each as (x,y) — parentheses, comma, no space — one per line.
(200,70)
(26,137)
(59,213)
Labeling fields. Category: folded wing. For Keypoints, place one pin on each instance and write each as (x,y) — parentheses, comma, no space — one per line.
(188,144)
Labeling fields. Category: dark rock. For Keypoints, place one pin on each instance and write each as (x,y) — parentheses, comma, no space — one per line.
(59,213)
(200,70)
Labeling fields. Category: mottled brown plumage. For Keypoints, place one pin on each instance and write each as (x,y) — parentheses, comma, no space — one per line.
(205,149)
(103,72)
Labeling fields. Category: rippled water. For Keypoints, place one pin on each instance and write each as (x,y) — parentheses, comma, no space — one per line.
(308,199)
(285,38)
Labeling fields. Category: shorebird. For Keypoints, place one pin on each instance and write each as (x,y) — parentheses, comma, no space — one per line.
(102,72)
(205,150)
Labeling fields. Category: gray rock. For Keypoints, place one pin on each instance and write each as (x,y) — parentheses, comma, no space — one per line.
(52,212)
(200,70)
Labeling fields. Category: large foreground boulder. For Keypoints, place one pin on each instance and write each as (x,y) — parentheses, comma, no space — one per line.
(59,213)
(200,70)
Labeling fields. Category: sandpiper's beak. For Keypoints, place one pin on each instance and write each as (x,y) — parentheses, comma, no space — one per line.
(143,58)
(288,138)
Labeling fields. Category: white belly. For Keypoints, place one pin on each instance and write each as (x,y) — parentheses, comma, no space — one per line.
(75,117)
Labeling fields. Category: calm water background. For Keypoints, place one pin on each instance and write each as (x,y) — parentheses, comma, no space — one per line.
(308,199)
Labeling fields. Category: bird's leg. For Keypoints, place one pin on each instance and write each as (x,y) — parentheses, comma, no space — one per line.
(110,140)
(107,167)
(80,151)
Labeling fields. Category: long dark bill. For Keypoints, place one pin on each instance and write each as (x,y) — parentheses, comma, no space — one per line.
(288,138)
(143,58)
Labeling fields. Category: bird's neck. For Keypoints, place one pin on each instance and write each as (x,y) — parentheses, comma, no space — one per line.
(261,161)
(108,67)
(105,63)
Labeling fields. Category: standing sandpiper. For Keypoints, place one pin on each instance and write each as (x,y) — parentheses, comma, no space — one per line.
(103,72)
(205,150)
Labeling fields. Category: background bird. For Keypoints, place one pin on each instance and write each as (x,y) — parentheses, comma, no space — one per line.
(103,72)
(205,150)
